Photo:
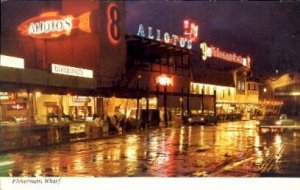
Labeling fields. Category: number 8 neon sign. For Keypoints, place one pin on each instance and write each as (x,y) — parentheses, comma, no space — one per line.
(113,23)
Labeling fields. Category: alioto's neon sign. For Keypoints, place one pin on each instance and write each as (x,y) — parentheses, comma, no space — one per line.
(165,37)
(216,52)
(53,25)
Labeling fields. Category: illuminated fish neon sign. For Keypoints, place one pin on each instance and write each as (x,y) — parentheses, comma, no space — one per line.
(53,25)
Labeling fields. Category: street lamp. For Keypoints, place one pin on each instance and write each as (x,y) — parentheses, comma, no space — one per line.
(165,81)
(265,89)
(138,96)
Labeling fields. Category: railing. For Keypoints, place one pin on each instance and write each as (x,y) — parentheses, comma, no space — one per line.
(252,92)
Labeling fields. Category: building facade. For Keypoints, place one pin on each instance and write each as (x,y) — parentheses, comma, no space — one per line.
(65,64)
(284,88)
(71,53)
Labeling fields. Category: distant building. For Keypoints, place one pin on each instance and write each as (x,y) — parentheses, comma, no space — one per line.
(285,88)
(226,75)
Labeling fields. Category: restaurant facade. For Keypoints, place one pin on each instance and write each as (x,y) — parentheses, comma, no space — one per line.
(69,53)
(65,64)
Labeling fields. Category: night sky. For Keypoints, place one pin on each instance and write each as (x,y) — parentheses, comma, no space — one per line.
(269,32)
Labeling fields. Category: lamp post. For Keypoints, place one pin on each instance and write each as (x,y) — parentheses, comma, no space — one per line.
(165,81)
(202,100)
(147,108)
(138,97)
(215,101)
(165,105)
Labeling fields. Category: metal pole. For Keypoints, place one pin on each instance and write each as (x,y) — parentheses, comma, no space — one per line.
(157,96)
(215,102)
(147,107)
(138,99)
(165,106)
(188,101)
(202,101)
(182,106)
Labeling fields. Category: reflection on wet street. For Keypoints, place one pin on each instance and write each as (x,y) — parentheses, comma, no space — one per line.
(228,149)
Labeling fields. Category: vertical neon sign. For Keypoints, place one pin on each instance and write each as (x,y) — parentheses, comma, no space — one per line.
(190,30)
(113,23)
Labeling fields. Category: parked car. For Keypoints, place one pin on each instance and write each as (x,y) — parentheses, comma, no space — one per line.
(275,120)
(200,119)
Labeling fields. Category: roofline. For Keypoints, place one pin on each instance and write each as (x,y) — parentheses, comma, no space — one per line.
(191,51)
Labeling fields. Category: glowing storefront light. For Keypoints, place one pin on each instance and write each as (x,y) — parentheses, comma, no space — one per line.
(53,25)
(217,53)
(14,62)
(265,89)
(295,93)
(223,93)
(164,80)
(38,94)
(73,71)
(278,140)
(287,93)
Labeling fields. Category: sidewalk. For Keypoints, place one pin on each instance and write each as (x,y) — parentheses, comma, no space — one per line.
(19,137)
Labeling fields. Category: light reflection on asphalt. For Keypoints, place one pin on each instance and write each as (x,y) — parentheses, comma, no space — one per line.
(228,149)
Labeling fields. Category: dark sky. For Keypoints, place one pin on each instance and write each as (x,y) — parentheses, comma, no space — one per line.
(269,32)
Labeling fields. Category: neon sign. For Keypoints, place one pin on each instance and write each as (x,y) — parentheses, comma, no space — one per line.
(113,23)
(20,106)
(166,37)
(8,96)
(81,99)
(53,25)
(73,71)
(164,80)
(190,30)
(216,52)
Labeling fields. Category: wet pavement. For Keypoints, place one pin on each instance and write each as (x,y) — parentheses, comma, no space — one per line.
(228,149)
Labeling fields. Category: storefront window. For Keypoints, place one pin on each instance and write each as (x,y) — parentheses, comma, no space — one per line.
(241,85)
(197,89)
(14,107)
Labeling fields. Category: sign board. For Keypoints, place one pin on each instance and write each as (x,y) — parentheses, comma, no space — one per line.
(19,106)
(81,99)
(50,104)
(73,71)
(165,37)
(217,53)
(14,62)
(53,25)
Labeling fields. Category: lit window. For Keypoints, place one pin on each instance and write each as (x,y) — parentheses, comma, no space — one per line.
(197,89)
(241,85)
(207,90)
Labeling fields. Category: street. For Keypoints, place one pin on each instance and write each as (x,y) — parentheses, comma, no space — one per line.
(229,149)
